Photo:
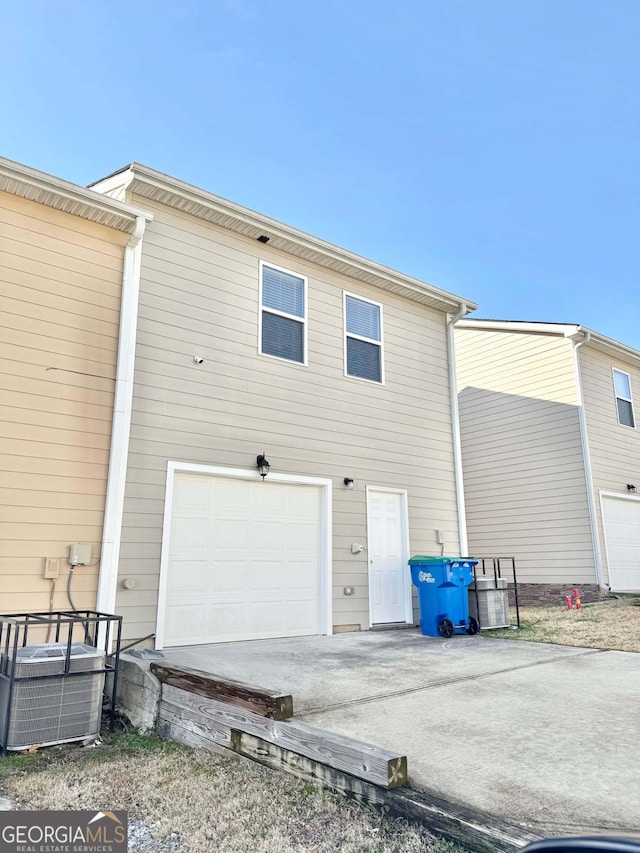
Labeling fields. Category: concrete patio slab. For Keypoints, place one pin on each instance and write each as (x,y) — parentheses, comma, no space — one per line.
(324,672)
(541,735)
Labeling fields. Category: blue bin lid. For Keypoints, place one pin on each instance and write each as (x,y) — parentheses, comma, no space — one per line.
(421,559)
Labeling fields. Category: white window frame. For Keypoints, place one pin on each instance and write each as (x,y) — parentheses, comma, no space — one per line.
(380,343)
(617,396)
(303,320)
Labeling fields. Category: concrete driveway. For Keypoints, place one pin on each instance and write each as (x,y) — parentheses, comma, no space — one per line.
(541,735)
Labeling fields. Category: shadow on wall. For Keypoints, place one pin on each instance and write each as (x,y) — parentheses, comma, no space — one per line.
(525,486)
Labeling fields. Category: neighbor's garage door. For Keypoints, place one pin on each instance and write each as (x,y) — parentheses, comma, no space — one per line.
(244,560)
(621,517)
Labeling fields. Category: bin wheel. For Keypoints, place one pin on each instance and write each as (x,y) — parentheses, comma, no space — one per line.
(445,628)
(473,626)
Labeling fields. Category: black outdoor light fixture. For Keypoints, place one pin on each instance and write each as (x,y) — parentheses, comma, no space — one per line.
(348,481)
(631,487)
(263,238)
(262,465)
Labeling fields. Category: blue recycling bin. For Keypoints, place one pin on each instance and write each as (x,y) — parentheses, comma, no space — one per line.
(442,595)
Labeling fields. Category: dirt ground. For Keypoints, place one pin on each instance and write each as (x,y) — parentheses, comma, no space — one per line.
(194,801)
(610,624)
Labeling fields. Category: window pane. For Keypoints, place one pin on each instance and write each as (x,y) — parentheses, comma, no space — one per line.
(621,381)
(363,318)
(363,360)
(282,337)
(625,413)
(282,291)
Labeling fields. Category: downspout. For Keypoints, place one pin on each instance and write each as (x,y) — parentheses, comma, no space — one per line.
(121,425)
(586,455)
(452,319)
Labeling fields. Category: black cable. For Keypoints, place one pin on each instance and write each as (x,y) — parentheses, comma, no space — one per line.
(69,579)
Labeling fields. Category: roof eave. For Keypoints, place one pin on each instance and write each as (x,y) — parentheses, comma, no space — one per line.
(561,330)
(520,326)
(155,186)
(25,182)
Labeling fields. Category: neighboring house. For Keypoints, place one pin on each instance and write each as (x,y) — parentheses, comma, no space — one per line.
(551,453)
(257,339)
(62,249)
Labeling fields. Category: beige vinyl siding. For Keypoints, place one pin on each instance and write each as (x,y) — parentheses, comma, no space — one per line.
(60,281)
(199,296)
(614,449)
(522,456)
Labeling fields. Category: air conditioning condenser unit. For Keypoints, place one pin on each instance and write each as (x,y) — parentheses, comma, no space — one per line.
(50,694)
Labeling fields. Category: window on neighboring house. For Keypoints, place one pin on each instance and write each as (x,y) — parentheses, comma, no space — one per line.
(363,338)
(283,314)
(622,385)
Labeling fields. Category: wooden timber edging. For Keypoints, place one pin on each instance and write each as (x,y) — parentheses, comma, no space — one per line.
(216,721)
(240,725)
(255,699)
(479,832)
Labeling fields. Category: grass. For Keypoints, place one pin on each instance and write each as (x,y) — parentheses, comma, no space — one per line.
(610,624)
(196,801)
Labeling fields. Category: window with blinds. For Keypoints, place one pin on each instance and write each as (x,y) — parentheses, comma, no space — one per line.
(624,401)
(363,338)
(283,314)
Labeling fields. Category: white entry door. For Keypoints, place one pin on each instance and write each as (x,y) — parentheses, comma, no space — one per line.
(389,577)
(243,560)
(621,519)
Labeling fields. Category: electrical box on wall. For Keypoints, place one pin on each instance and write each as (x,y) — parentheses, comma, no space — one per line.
(80,554)
(51,568)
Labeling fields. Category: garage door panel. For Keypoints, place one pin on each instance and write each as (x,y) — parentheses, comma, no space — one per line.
(299,613)
(268,536)
(189,533)
(225,576)
(185,623)
(227,538)
(302,539)
(188,576)
(243,560)
(621,519)
(192,493)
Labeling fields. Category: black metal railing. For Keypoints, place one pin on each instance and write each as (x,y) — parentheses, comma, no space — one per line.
(498,567)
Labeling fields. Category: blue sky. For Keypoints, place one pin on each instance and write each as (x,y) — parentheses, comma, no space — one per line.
(490,147)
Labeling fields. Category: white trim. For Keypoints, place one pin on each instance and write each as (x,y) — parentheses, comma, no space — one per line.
(561,329)
(121,425)
(304,319)
(628,399)
(408,602)
(326,574)
(625,496)
(586,457)
(458,469)
(346,334)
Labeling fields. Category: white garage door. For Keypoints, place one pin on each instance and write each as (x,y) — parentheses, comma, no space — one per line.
(622,535)
(244,560)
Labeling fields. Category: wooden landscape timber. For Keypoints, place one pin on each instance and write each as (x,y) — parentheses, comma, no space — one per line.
(223,716)
(476,831)
(211,720)
(255,699)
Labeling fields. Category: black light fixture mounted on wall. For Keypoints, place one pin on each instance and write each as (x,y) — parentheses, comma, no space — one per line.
(631,487)
(262,465)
